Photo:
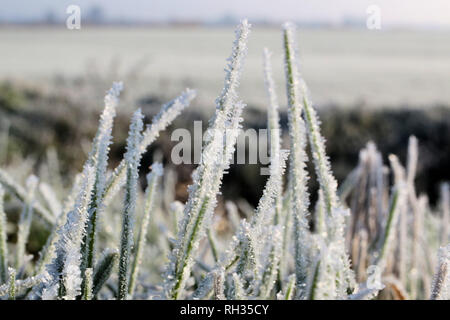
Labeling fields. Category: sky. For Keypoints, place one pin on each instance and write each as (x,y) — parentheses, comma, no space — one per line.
(404,13)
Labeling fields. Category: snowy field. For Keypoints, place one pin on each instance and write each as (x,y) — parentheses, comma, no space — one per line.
(345,67)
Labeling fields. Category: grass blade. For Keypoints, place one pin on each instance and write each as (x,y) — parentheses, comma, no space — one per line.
(103,269)
(133,157)
(207,177)
(298,176)
(152,183)
(3,243)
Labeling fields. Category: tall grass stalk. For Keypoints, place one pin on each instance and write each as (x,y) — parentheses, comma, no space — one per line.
(65,276)
(290,289)
(238,289)
(328,184)
(297,175)
(395,207)
(441,282)
(273,124)
(87,290)
(219,276)
(12,284)
(271,264)
(104,269)
(25,221)
(3,239)
(207,177)
(99,160)
(133,158)
(152,183)
(47,253)
(445,207)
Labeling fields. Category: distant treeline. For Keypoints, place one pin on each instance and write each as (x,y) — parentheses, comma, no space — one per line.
(37,121)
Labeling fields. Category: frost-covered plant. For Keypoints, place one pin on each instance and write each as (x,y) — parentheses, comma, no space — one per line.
(12,284)
(256,249)
(88,284)
(216,156)
(441,281)
(396,203)
(98,159)
(445,207)
(3,245)
(298,177)
(65,273)
(334,217)
(150,193)
(133,159)
(25,221)
(273,123)
(104,269)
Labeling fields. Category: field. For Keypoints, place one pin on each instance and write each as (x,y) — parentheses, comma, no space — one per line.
(343,67)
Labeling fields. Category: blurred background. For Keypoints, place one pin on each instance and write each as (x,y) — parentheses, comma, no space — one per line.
(380,85)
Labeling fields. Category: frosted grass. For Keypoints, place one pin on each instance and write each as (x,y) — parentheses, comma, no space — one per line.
(284,249)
